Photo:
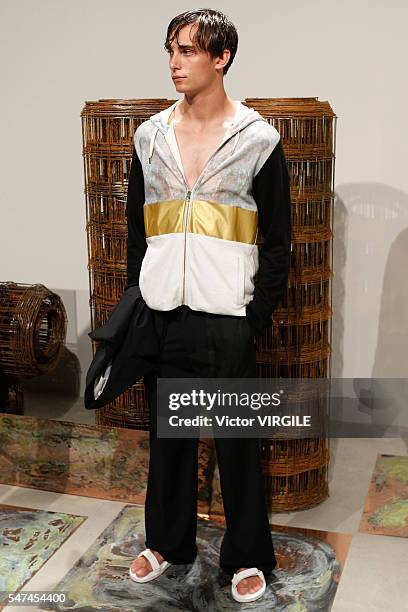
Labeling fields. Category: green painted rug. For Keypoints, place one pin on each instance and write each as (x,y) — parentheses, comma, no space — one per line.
(386,505)
(28,538)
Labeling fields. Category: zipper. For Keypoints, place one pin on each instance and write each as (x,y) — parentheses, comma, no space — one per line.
(187,216)
(188,198)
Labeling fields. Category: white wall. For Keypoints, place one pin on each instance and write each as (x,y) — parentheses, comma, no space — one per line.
(57,54)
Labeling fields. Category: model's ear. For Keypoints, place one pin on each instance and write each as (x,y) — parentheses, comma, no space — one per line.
(222,60)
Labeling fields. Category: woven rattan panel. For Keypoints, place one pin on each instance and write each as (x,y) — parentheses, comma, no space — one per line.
(298,344)
(108,127)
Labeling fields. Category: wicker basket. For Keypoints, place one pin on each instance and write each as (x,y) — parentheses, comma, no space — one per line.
(33,324)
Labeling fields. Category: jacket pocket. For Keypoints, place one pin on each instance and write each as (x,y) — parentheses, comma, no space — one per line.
(241,281)
(160,278)
(214,280)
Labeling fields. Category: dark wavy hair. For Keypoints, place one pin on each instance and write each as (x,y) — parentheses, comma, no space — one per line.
(215,32)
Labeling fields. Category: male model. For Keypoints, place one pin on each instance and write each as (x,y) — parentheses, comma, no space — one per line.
(207,172)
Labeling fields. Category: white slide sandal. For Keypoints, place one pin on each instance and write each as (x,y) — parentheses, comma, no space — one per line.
(157,568)
(245,573)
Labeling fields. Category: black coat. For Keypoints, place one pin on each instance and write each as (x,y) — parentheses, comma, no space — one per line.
(129,342)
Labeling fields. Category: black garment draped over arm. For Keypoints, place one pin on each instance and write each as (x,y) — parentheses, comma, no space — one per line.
(271,192)
(136,238)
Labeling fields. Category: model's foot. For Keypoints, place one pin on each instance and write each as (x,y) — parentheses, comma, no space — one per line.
(142,566)
(248,585)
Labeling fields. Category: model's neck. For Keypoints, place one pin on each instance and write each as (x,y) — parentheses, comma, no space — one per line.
(206,107)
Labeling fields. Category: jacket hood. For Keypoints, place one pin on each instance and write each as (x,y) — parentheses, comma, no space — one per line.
(243,117)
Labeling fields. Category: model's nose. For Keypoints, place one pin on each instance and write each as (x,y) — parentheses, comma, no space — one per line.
(174,62)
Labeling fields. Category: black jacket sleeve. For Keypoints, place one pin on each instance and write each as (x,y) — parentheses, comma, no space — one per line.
(136,238)
(271,192)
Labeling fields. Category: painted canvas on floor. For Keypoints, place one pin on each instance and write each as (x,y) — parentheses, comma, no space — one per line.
(306,577)
(77,459)
(28,538)
(386,505)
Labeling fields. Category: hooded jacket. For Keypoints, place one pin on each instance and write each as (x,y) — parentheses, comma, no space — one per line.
(198,246)
(195,247)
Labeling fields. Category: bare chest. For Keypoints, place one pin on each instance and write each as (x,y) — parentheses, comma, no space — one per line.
(195,150)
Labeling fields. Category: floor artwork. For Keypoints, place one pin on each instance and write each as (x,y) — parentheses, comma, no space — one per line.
(28,538)
(306,577)
(77,459)
(386,505)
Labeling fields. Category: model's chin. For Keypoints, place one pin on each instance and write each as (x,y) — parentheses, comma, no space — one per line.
(179,82)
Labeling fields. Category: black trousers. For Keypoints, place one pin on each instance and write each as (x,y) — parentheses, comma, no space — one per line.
(200,344)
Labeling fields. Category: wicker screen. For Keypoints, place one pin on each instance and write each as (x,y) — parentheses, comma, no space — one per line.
(298,344)
(108,127)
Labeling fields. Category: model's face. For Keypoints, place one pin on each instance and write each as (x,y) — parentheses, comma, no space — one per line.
(196,68)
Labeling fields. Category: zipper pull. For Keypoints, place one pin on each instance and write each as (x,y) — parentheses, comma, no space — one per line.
(188,194)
